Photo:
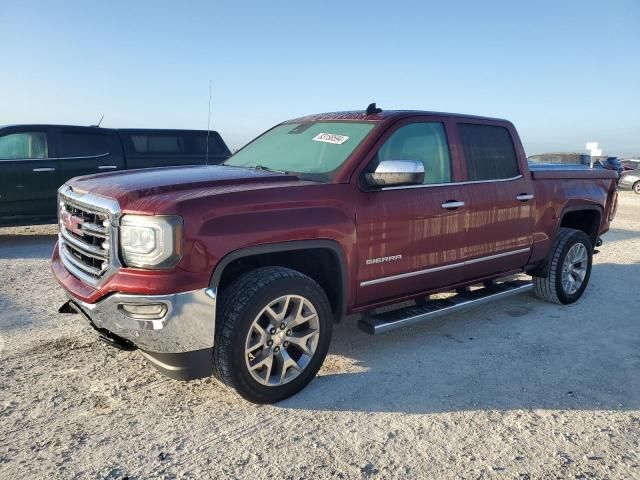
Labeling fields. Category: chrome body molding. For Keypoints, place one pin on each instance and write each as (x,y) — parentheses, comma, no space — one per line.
(58,158)
(473,182)
(442,267)
(91,201)
(188,323)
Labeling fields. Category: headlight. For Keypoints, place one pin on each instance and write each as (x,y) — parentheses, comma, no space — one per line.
(151,241)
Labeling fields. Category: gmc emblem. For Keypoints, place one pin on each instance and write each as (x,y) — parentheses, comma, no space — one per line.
(71,222)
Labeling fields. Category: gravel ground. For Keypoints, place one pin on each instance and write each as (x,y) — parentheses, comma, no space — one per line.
(516,389)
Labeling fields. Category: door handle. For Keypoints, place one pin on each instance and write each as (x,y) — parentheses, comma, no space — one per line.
(452,204)
(44,169)
(107,167)
(523,197)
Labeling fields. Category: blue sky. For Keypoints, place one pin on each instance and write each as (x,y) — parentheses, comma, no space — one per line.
(565,72)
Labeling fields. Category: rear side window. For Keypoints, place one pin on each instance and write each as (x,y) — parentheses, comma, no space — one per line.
(196,143)
(488,152)
(188,143)
(79,144)
(25,145)
(156,144)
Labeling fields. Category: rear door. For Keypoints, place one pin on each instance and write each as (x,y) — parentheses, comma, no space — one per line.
(87,151)
(28,164)
(500,206)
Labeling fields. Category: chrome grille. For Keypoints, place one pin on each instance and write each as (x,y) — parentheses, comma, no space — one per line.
(87,235)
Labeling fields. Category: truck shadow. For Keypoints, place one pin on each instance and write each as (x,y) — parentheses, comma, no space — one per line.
(519,353)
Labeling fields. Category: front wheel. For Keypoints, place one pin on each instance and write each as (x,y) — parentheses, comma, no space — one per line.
(272,335)
(636,187)
(569,268)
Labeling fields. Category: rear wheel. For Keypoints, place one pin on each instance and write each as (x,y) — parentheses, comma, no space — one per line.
(272,335)
(569,269)
(636,187)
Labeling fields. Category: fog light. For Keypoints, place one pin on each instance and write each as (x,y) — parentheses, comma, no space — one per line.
(149,311)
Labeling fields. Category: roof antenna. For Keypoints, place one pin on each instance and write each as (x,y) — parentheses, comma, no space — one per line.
(371,109)
(98,122)
(206,158)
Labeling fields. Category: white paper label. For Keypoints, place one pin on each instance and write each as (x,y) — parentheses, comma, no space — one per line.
(330,138)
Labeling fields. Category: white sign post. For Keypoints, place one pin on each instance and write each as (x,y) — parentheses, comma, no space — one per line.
(594,151)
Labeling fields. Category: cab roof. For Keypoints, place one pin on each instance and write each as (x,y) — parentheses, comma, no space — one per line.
(384,115)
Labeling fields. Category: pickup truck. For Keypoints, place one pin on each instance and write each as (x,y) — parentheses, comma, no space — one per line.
(36,159)
(240,270)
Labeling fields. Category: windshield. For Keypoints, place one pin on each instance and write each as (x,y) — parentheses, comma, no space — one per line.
(313,150)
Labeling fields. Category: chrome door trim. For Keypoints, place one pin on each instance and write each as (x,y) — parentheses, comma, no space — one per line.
(86,156)
(44,169)
(51,158)
(473,182)
(107,167)
(442,267)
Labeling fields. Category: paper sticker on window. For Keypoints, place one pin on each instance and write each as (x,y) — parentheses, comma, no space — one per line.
(330,138)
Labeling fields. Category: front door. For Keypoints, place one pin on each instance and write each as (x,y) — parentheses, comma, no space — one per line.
(410,238)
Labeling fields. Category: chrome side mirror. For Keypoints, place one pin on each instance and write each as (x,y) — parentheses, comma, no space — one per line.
(392,173)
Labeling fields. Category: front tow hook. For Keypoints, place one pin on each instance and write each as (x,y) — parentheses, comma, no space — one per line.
(111,339)
(68,308)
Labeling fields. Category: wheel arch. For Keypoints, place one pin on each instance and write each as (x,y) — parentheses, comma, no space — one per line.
(586,218)
(321,259)
(582,217)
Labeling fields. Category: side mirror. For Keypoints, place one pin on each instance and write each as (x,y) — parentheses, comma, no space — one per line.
(393,173)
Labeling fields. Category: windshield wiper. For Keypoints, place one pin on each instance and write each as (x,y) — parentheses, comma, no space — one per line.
(267,169)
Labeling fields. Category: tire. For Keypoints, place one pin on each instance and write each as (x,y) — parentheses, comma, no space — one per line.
(636,188)
(243,318)
(551,287)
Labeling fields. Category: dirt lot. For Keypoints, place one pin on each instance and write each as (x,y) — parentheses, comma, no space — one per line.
(517,389)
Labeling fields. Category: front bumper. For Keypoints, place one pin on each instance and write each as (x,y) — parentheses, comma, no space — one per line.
(187,323)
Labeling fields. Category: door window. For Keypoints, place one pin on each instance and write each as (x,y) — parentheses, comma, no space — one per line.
(488,152)
(24,145)
(196,143)
(425,142)
(79,144)
(158,144)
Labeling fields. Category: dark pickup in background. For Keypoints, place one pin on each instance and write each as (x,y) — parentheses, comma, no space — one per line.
(36,159)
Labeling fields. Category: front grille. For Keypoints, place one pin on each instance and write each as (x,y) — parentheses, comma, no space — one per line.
(86,238)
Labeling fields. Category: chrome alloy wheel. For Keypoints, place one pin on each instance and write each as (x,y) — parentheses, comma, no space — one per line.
(282,340)
(574,268)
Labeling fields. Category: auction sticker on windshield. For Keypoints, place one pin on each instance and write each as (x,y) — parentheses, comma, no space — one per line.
(330,138)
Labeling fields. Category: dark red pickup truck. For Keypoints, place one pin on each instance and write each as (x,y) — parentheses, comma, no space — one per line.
(240,270)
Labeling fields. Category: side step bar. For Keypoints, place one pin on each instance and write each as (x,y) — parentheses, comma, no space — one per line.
(403,317)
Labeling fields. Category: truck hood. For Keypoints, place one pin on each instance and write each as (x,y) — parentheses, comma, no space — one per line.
(129,186)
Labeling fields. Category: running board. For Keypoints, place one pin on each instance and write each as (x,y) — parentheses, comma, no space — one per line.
(403,317)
